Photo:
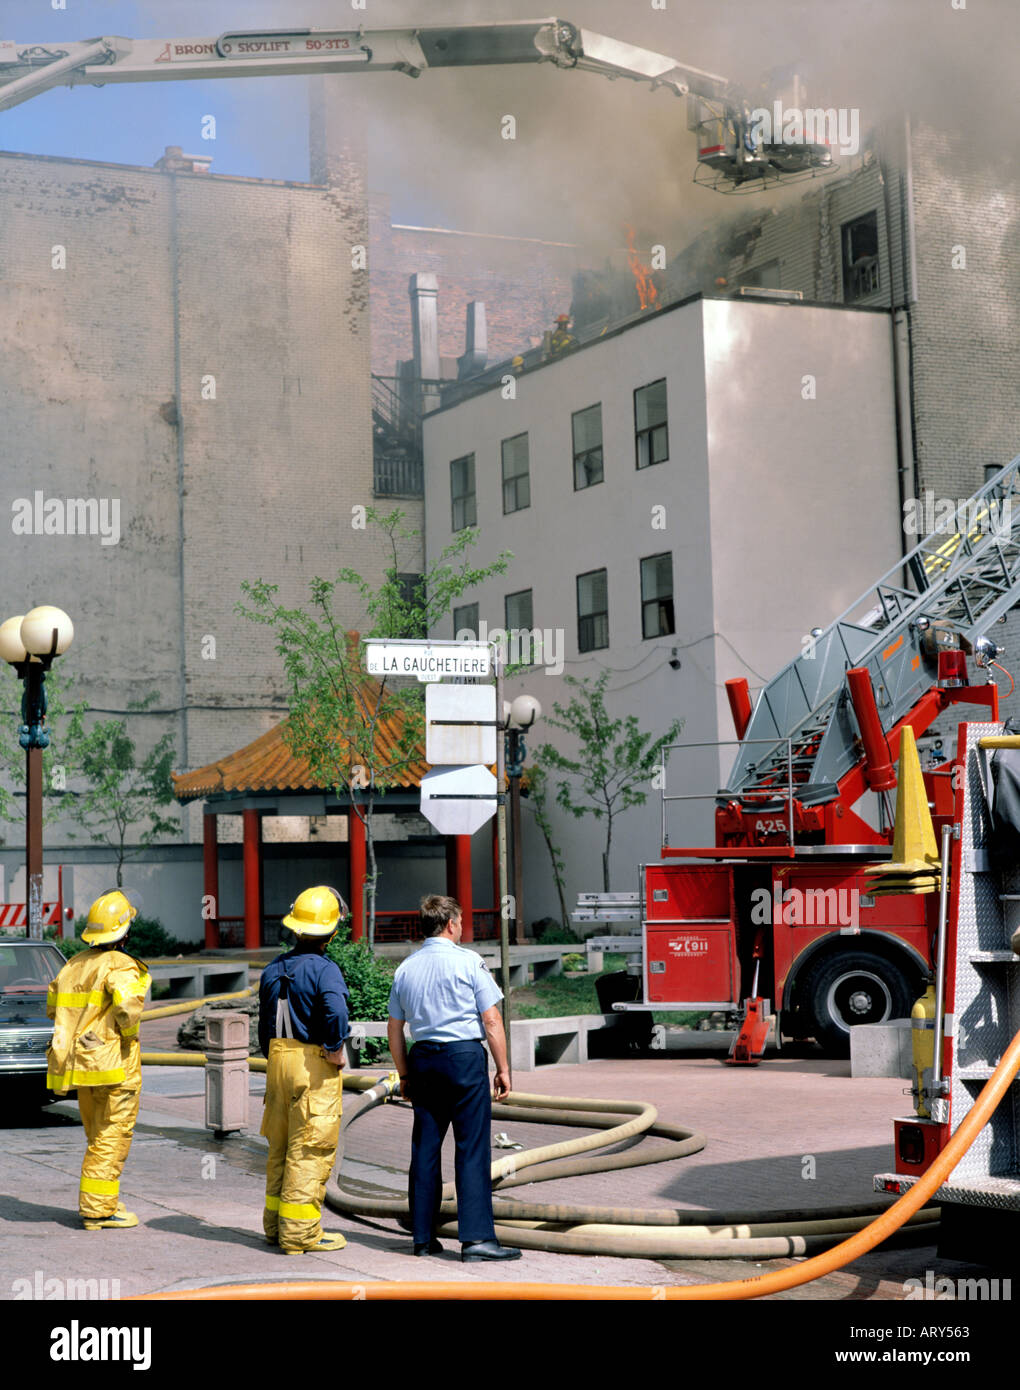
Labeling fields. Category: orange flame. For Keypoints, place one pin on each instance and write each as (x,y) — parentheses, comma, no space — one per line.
(643,282)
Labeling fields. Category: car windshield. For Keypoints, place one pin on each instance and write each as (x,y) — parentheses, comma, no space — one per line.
(27,967)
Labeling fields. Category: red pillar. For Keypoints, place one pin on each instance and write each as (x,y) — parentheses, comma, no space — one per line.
(462,882)
(356,884)
(252,880)
(211,882)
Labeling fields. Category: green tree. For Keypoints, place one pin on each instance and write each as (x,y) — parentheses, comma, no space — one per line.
(122,793)
(615,760)
(336,709)
(59,759)
(538,801)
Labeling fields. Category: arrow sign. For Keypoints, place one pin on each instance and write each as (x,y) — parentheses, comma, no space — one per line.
(458,800)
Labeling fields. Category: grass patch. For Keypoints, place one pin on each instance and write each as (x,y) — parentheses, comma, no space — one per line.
(556,996)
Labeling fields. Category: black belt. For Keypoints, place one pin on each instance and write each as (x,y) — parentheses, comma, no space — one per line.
(461,1045)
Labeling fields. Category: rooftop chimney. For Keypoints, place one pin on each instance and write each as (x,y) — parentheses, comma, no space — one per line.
(476,343)
(175,161)
(424,291)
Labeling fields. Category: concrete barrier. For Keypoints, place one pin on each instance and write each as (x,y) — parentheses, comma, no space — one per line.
(355,1044)
(882,1049)
(536,1042)
(191,979)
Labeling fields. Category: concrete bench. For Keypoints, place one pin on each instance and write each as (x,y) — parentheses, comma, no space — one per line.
(189,979)
(536,1042)
(540,961)
(355,1044)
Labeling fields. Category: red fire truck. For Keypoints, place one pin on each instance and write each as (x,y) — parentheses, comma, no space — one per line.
(780,909)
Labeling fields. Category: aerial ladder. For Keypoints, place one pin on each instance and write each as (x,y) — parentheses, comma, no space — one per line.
(819,736)
(737,150)
(780,915)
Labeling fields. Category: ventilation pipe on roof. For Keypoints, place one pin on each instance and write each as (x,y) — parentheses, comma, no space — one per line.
(424,291)
(476,342)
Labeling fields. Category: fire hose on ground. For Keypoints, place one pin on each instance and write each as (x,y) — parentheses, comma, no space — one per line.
(880,1229)
(598,1230)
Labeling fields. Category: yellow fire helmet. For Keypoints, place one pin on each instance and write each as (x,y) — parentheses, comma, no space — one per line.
(316,912)
(109,919)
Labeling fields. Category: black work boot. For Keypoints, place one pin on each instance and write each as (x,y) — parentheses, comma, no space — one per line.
(474,1250)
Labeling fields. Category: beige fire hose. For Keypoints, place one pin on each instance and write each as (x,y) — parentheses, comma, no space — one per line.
(595,1230)
(619,1231)
(851,1249)
(185,1006)
(762,1285)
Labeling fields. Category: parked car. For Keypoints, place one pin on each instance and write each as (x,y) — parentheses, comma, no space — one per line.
(26,968)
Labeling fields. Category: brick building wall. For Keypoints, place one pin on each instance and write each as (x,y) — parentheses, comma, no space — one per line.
(203,360)
(524,283)
(965,324)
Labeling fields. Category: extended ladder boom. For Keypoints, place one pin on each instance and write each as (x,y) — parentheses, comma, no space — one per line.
(28,69)
(965,576)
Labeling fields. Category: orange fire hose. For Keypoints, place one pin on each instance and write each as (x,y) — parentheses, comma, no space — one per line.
(758,1287)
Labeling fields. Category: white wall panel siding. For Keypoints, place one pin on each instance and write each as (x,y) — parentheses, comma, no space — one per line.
(777,512)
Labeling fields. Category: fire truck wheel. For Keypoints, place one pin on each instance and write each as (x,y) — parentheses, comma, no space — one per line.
(856,987)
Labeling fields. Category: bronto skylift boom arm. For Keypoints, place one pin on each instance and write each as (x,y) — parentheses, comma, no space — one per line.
(29,69)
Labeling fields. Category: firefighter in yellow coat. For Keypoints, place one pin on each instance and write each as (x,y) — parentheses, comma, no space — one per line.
(96,1002)
(303,1024)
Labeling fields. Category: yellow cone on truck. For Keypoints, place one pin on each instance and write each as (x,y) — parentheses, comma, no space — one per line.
(915,864)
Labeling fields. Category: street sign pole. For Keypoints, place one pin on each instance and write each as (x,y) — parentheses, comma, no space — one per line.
(504,925)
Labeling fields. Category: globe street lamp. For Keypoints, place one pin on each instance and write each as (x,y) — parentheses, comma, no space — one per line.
(30,643)
(518,718)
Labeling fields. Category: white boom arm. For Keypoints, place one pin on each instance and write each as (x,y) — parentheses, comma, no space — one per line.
(28,69)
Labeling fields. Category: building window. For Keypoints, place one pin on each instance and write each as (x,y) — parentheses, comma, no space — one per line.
(516,483)
(518,616)
(587,429)
(462,492)
(860,257)
(465,619)
(650,426)
(657,596)
(412,605)
(762,277)
(592,611)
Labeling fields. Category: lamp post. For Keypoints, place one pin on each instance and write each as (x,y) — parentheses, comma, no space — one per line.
(30,643)
(518,718)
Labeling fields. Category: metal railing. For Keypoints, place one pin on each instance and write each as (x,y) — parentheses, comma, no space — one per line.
(398,475)
(724,793)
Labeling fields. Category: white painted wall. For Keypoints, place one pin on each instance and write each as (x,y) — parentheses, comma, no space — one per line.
(778,512)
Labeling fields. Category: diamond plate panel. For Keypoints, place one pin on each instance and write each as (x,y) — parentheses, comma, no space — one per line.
(987,1004)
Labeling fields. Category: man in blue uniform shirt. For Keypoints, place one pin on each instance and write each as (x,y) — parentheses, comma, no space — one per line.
(303,1025)
(450,1002)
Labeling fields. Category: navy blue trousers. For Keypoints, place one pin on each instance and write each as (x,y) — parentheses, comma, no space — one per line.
(450,1085)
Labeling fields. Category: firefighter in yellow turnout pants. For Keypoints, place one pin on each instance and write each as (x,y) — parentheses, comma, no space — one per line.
(96,1002)
(303,1024)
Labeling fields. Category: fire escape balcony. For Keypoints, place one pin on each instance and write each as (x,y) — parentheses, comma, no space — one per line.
(397,468)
